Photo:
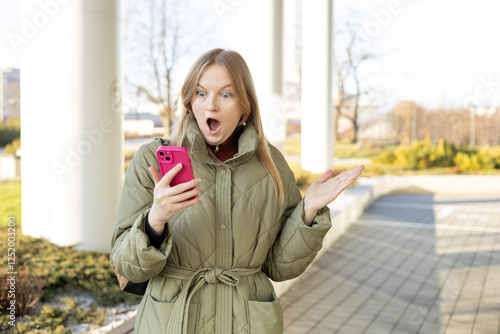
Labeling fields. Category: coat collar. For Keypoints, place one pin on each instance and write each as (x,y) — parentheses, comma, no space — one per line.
(247,145)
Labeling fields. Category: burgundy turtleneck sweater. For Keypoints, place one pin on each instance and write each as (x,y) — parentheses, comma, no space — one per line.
(227,149)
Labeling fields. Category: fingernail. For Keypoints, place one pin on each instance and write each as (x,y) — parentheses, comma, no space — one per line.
(179,165)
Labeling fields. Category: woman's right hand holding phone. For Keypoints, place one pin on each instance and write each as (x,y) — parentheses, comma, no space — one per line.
(168,200)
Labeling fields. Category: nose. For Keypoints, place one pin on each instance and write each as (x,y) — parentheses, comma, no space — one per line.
(212,103)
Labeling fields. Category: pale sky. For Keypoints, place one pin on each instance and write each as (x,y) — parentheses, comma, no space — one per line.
(436,52)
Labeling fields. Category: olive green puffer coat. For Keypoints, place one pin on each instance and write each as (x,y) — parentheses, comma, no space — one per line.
(211,274)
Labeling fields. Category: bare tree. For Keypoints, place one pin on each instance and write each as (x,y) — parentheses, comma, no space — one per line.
(450,124)
(350,56)
(158,34)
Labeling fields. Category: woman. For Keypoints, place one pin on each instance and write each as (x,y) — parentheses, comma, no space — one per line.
(211,245)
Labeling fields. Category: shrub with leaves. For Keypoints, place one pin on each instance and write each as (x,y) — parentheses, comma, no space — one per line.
(386,158)
(13,146)
(10,131)
(421,155)
(66,269)
(28,291)
(443,154)
(486,158)
(417,155)
(58,319)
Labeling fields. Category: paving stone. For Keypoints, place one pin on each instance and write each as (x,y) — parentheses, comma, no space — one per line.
(406,278)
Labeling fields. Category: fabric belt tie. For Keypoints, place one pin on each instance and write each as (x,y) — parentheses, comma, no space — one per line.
(178,320)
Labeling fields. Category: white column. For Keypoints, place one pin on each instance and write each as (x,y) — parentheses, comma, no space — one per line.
(317,74)
(260,42)
(2,101)
(71,133)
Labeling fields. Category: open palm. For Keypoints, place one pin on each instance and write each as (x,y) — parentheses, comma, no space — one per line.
(326,189)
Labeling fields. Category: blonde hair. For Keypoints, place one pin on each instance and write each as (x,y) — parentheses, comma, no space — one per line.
(246,96)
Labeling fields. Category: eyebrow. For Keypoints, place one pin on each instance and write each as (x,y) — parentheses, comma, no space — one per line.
(228,85)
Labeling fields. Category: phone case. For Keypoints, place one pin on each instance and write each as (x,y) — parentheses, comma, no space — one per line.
(169,157)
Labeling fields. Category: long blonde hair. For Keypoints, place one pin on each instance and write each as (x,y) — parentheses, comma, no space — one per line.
(247,100)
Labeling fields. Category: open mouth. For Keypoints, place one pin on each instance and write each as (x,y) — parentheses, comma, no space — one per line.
(213,125)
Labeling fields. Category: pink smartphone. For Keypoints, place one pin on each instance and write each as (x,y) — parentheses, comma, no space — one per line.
(169,157)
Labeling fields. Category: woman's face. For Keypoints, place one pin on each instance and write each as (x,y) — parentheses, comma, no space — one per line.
(215,106)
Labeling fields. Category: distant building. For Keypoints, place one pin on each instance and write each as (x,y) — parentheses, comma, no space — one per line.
(136,124)
(377,126)
(10,106)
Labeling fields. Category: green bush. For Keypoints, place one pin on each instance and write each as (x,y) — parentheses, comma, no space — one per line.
(13,146)
(466,161)
(67,269)
(423,155)
(416,156)
(495,156)
(486,158)
(60,269)
(443,154)
(28,291)
(10,131)
(386,158)
(57,319)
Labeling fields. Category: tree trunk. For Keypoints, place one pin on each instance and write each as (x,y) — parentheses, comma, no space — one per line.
(354,119)
(165,117)
(336,127)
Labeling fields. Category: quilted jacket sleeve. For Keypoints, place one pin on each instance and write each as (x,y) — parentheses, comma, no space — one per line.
(297,244)
(133,256)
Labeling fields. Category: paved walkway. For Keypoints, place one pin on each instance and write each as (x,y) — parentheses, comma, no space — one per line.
(413,263)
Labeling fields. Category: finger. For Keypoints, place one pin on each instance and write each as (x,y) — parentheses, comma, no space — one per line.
(351,173)
(358,168)
(156,175)
(356,171)
(345,179)
(326,175)
(186,195)
(167,178)
(182,187)
(191,202)
(185,204)
(350,176)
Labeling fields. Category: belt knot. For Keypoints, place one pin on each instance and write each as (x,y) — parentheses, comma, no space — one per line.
(195,280)
(216,275)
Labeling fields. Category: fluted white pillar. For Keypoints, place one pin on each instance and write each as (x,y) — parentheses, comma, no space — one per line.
(260,41)
(71,135)
(317,126)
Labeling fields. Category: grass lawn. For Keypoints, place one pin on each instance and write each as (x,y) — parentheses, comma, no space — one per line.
(340,149)
(10,197)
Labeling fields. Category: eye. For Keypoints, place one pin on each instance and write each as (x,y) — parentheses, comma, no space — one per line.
(201,94)
(226,95)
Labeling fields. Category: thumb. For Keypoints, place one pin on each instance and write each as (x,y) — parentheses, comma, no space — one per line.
(155,173)
(326,175)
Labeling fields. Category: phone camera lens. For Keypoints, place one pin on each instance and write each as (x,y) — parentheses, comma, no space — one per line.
(168,158)
(162,154)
